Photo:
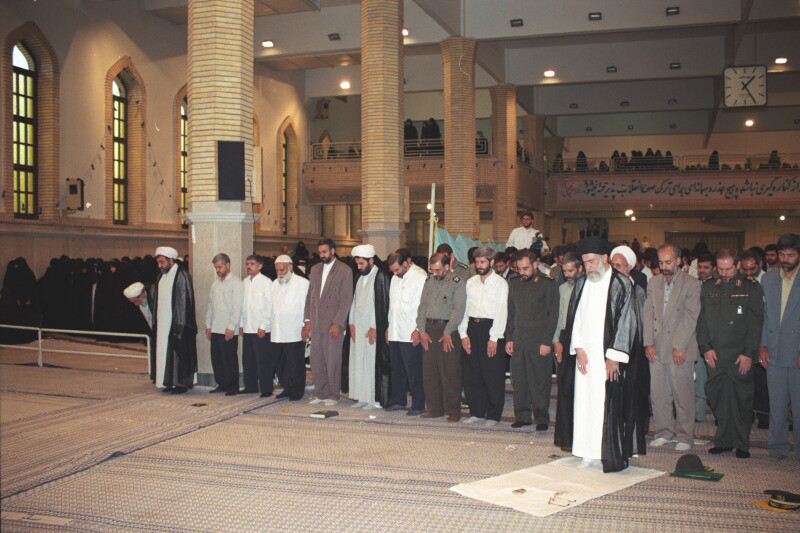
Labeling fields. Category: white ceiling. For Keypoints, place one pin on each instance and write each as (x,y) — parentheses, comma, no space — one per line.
(635,36)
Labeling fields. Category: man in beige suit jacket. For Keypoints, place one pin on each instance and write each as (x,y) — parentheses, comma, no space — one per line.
(670,338)
(330,295)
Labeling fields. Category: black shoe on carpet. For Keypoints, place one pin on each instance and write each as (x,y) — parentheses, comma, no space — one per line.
(178,390)
(295,399)
(218,389)
(231,393)
(284,394)
(265,394)
(716,450)
(248,391)
(519,424)
(168,390)
(542,427)
(414,412)
(741,454)
(396,408)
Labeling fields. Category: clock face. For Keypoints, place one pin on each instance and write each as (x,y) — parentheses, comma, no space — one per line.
(745,86)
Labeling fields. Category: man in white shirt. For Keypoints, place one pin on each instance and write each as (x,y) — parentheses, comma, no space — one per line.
(258,367)
(289,293)
(482,329)
(405,292)
(526,235)
(222,319)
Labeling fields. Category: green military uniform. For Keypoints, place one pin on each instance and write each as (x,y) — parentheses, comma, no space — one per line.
(730,323)
(441,309)
(532,321)
(462,271)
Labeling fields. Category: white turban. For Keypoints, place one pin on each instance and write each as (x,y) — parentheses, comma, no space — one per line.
(166,251)
(283,259)
(134,290)
(366,251)
(627,253)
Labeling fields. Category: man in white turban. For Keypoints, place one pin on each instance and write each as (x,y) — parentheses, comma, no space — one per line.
(289,293)
(142,297)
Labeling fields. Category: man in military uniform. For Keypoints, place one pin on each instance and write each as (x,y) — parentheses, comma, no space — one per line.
(441,309)
(729,334)
(532,319)
(456,267)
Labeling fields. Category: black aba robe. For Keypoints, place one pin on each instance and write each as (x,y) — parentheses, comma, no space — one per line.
(619,331)
(181,363)
(637,384)
(383,365)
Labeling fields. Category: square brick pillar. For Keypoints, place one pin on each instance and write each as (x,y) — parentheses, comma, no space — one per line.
(220,98)
(460,202)
(533,139)
(382,100)
(504,148)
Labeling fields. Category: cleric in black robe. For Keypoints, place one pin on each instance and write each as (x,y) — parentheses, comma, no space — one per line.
(174,324)
(618,332)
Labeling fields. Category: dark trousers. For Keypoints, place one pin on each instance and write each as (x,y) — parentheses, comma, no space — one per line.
(290,360)
(730,395)
(531,375)
(225,361)
(258,364)
(441,373)
(761,398)
(484,376)
(406,360)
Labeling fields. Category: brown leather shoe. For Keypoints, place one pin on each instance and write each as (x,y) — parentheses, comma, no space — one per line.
(426,415)
(453,418)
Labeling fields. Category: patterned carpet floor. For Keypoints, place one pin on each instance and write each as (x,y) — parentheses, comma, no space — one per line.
(249,464)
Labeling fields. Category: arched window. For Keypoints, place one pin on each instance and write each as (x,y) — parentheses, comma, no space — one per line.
(119,136)
(285,185)
(288,177)
(183,169)
(24,133)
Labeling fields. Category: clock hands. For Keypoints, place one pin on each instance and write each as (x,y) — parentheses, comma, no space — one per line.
(744,86)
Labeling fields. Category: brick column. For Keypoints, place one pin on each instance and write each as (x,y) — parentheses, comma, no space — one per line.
(220,91)
(504,148)
(533,139)
(382,125)
(460,206)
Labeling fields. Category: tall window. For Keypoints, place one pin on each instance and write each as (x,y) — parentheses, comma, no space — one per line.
(119,133)
(285,186)
(24,132)
(184,171)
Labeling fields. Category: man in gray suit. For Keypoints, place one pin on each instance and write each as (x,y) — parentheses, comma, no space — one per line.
(330,295)
(670,339)
(780,346)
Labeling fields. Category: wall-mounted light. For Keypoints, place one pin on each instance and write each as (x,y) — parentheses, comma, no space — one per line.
(405,32)
(749,122)
(633,219)
(628,212)
(344,84)
(781,60)
(782,218)
(267,44)
(549,73)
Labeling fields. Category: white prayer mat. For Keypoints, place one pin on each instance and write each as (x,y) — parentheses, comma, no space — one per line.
(552,487)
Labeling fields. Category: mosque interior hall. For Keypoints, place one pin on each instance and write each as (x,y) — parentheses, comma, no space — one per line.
(248,126)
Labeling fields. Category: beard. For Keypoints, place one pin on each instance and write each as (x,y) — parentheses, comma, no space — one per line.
(283,280)
(482,271)
(594,277)
(788,267)
(366,271)
(328,260)
(668,273)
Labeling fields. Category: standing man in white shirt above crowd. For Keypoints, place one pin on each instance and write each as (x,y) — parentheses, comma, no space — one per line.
(525,235)
(289,293)
(257,362)
(222,321)
(482,329)
(405,292)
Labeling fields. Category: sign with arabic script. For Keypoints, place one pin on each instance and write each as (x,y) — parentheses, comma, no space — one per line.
(676,191)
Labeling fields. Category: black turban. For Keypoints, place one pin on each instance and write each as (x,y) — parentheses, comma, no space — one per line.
(593,245)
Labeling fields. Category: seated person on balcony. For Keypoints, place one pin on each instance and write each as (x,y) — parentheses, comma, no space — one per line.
(410,131)
(434,129)
(615,160)
(558,163)
(774,160)
(425,134)
(713,161)
(581,164)
(649,159)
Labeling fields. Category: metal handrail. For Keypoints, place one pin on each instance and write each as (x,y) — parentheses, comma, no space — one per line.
(41,349)
(685,163)
(411,148)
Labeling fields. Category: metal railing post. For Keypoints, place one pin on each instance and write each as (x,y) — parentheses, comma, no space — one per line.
(41,358)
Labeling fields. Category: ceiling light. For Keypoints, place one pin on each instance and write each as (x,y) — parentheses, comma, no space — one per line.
(345,84)
(428,207)
(781,60)
(672,101)
(749,122)
(549,73)
(516,23)
(573,106)
(673,11)
(611,69)
(334,37)
(673,126)
(596,16)
(630,126)
(267,44)
(628,212)
(405,32)
(797,121)
(588,128)
(624,103)
(674,66)
(633,219)
(782,218)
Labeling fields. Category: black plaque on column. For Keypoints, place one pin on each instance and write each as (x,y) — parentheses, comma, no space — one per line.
(230,170)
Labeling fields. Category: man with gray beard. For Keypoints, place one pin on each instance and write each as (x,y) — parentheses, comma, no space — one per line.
(289,293)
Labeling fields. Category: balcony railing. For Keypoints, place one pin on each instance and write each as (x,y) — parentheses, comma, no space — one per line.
(417,148)
(687,163)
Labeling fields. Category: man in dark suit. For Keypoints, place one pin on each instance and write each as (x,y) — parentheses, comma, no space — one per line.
(780,346)
(330,295)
